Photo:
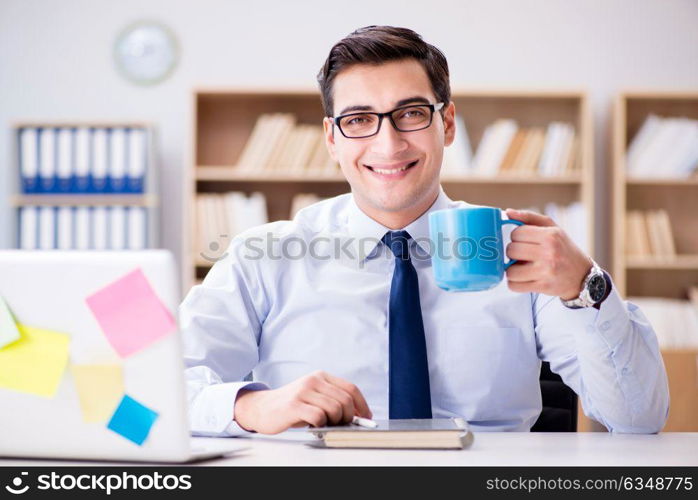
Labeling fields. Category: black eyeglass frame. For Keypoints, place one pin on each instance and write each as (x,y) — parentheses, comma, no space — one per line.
(432,107)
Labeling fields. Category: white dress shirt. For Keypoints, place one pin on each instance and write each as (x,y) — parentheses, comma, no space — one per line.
(291,297)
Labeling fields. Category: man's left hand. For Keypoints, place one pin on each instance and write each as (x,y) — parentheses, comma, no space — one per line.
(549,261)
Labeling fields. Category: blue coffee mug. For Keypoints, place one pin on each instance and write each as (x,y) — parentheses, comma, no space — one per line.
(467,248)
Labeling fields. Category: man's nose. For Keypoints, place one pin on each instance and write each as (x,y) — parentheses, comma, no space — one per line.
(388,140)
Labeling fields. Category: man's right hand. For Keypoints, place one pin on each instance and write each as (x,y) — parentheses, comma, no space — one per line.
(317,399)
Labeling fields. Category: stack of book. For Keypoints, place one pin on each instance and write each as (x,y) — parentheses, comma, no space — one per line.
(278,144)
(302,200)
(83,228)
(509,150)
(82,159)
(675,321)
(648,234)
(664,148)
(221,216)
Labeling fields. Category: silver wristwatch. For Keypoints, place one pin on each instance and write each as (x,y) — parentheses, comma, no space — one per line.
(593,289)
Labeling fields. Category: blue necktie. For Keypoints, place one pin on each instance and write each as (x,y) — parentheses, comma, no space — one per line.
(409,392)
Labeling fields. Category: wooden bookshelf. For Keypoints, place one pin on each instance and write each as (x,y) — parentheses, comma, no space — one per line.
(223,120)
(653,276)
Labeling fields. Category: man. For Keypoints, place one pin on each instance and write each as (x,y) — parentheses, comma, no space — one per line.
(334,319)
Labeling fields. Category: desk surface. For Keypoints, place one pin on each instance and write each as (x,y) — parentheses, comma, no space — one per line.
(488,448)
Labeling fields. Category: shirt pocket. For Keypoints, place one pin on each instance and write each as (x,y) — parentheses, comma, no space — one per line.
(479,368)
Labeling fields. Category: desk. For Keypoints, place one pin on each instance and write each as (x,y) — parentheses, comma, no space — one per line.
(488,448)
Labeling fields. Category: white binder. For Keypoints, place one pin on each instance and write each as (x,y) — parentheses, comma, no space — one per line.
(136,158)
(117,164)
(65,228)
(100,228)
(28,228)
(47,228)
(82,228)
(28,158)
(100,160)
(64,168)
(82,160)
(117,224)
(47,161)
(137,227)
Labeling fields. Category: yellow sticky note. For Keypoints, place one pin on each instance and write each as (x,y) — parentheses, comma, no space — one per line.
(100,388)
(34,363)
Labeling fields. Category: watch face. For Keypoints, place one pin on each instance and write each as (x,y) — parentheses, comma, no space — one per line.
(597,287)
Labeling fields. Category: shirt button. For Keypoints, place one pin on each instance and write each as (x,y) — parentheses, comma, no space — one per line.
(605,326)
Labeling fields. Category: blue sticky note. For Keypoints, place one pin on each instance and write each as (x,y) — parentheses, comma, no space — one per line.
(132,420)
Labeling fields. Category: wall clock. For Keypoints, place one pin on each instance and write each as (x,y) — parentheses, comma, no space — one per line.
(146,52)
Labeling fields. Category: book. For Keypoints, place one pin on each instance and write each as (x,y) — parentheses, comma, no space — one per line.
(441,434)
(513,152)
(254,142)
(493,147)
(664,147)
(557,149)
(636,235)
(526,162)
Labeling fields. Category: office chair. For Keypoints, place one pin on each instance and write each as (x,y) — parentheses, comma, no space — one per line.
(559,404)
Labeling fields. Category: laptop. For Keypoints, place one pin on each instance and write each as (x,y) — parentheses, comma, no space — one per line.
(146,417)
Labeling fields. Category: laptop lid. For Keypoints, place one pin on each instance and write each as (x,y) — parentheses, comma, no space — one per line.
(120,394)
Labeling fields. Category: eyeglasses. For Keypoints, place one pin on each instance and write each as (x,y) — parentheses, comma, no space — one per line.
(404,119)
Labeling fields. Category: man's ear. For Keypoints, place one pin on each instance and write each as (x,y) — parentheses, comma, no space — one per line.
(449,124)
(329,137)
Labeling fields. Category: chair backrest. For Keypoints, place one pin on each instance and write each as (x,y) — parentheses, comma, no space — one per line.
(559,404)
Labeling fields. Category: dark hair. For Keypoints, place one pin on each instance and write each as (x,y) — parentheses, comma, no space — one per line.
(380,44)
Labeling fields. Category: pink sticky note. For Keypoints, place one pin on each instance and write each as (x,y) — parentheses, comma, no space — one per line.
(131,316)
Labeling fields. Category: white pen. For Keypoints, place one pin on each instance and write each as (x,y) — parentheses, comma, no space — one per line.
(364,422)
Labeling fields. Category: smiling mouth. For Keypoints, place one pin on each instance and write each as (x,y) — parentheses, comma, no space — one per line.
(392,171)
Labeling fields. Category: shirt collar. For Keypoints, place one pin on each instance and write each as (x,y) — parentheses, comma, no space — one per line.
(366,232)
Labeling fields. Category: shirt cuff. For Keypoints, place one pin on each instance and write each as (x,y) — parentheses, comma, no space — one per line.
(611,318)
(212,413)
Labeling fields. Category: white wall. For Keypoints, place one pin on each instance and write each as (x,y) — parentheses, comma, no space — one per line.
(55,60)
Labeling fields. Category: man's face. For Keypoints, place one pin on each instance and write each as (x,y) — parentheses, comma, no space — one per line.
(375,166)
